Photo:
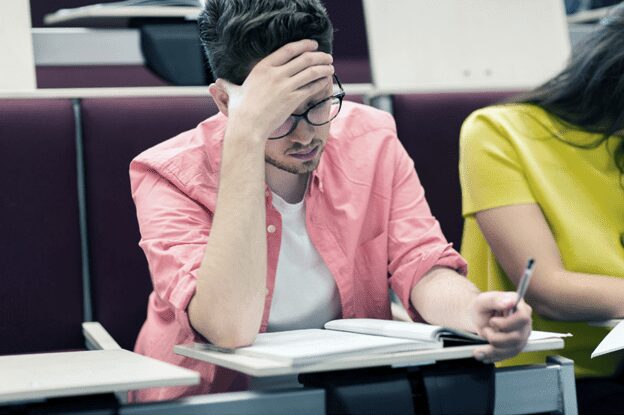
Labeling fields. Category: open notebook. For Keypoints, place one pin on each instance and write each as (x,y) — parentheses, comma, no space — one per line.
(309,346)
(353,337)
(421,331)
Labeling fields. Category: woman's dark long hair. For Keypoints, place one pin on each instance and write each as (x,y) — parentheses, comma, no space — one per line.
(589,93)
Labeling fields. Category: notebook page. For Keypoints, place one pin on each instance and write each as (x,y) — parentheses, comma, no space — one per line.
(313,345)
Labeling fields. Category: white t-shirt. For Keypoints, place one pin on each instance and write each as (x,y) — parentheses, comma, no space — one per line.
(305,293)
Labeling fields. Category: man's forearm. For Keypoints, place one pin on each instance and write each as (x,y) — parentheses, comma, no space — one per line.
(443,297)
(228,304)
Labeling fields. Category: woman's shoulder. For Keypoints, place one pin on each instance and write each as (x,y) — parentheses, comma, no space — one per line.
(509,121)
(511,113)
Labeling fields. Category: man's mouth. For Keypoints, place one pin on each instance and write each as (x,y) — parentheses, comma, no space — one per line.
(306,154)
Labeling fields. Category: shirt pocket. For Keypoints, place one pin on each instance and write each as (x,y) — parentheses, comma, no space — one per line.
(371,278)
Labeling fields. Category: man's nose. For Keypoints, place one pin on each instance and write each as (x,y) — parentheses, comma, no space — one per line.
(303,132)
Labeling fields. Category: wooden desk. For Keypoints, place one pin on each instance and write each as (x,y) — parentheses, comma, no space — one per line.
(40,376)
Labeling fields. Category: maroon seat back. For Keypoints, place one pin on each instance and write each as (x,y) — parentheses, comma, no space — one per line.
(97,76)
(428,126)
(115,131)
(41,304)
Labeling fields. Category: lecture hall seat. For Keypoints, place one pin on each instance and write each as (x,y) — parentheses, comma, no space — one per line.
(41,305)
(428,125)
(115,131)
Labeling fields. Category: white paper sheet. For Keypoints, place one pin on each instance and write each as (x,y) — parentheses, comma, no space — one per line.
(612,341)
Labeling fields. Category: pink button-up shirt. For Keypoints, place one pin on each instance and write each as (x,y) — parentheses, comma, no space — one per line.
(366,214)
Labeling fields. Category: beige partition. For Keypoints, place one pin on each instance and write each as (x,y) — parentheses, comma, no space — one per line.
(17,68)
(465,45)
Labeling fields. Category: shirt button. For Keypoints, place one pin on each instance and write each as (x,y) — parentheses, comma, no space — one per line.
(271,229)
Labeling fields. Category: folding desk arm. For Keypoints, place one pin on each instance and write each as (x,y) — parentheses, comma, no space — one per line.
(537,388)
(97,338)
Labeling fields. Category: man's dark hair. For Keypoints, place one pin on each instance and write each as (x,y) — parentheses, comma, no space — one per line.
(236,34)
(589,92)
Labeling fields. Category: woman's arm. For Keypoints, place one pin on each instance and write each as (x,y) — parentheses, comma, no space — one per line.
(517,232)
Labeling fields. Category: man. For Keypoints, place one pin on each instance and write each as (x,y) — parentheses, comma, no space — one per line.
(263,218)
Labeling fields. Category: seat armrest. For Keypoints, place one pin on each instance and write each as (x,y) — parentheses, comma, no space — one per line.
(97,338)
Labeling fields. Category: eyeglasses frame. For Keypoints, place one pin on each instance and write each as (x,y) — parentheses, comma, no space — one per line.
(304,115)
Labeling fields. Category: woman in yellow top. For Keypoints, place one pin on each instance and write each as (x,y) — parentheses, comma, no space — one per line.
(543,177)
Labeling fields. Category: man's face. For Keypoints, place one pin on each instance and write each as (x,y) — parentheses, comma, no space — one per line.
(300,151)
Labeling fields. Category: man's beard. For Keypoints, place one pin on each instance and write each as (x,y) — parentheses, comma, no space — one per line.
(301,168)
(304,168)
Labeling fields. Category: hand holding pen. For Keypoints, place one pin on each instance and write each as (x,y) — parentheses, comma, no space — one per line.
(504,321)
(523,285)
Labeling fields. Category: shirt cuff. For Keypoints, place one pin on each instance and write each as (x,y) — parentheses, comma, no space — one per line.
(404,280)
(180,298)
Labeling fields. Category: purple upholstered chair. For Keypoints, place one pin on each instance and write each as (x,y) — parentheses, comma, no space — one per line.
(97,76)
(41,296)
(428,126)
(115,131)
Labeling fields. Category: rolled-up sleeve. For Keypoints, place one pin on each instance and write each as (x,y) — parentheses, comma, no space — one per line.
(415,240)
(174,231)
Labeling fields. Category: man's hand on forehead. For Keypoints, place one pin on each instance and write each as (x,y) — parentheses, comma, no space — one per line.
(301,55)
(280,83)
(292,51)
(310,101)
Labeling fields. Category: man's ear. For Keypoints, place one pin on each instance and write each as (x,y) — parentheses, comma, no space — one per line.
(219,95)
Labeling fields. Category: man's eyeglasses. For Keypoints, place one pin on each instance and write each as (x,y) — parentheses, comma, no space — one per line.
(318,114)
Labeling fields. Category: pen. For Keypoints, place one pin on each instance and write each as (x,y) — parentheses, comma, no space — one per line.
(524,282)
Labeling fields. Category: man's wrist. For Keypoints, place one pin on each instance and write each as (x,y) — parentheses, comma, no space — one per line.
(250,137)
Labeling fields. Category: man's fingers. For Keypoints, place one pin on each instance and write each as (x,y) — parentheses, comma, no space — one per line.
(506,324)
(506,332)
(310,75)
(501,345)
(314,88)
(484,353)
(514,321)
(515,339)
(496,301)
(289,51)
(307,60)
(489,353)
